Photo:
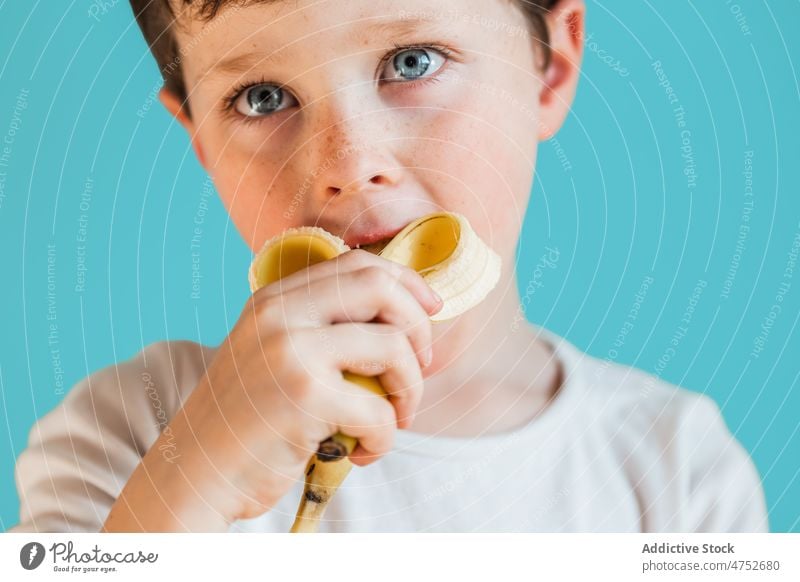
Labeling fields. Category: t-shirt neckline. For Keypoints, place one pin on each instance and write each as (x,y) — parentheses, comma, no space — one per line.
(566,354)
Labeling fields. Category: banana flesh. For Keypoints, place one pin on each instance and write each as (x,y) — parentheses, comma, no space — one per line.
(294,249)
(453,260)
(442,248)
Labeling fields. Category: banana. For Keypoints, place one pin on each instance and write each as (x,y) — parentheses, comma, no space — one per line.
(442,248)
(295,249)
(453,260)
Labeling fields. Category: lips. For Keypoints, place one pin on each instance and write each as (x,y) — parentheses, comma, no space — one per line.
(370,237)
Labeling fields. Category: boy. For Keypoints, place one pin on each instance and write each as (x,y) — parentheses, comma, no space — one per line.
(358,117)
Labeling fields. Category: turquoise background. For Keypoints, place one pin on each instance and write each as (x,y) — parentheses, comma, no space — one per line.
(610,193)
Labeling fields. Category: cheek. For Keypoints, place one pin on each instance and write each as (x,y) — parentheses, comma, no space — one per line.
(478,159)
(251,191)
(513,155)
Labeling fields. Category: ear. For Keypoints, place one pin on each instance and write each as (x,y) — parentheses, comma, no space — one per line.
(174,105)
(565,24)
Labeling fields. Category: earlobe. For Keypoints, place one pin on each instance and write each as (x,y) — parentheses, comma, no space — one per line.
(173,104)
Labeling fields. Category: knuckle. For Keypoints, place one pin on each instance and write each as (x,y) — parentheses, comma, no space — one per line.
(358,258)
(425,327)
(281,349)
(401,344)
(408,273)
(279,344)
(267,309)
(385,416)
(398,346)
(393,335)
(385,329)
(300,388)
(301,441)
(373,276)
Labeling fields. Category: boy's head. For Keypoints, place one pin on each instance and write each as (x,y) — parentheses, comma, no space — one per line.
(361,115)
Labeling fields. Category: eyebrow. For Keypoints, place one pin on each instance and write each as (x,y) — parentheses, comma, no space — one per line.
(242,63)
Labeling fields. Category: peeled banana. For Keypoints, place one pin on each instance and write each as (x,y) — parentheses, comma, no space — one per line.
(443,248)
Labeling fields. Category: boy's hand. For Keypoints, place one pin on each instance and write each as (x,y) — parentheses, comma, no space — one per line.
(274,390)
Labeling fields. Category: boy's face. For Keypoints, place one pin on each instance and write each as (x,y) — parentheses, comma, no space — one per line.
(380,117)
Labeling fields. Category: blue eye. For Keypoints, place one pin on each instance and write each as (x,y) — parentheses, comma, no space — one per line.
(263,99)
(410,64)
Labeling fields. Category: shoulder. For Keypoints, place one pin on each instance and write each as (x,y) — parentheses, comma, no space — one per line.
(80,454)
(142,392)
(627,397)
(675,448)
(167,369)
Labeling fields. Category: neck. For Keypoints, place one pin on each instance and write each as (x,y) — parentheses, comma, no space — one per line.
(490,372)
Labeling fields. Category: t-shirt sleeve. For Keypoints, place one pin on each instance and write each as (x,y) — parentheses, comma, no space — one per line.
(80,454)
(724,487)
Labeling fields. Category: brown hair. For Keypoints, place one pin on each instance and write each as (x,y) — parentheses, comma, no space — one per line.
(156,19)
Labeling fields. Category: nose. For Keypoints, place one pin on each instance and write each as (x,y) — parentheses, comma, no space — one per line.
(350,153)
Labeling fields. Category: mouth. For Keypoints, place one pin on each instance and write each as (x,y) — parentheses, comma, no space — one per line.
(373,242)
(376,247)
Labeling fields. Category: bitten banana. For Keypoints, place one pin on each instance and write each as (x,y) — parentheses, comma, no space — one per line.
(443,248)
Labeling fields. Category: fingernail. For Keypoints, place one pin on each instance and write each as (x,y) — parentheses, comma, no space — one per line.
(438,302)
(428,357)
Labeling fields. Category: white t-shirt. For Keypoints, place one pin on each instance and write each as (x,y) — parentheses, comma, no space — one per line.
(618,450)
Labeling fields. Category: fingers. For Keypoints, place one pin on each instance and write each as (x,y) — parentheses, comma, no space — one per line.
(358,296)
(358,313)
(367,349)
(362,414)
(355,260)
(383,351)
